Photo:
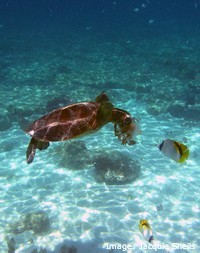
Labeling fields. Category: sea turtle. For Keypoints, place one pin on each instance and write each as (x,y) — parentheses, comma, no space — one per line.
(78,119)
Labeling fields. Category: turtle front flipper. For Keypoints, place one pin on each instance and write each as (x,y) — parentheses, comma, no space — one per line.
(32,146)
(102,98)
(104,113)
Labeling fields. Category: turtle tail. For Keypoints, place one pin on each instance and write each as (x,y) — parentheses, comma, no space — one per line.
(31,149)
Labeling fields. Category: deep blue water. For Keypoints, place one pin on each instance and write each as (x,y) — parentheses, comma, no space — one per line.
(42,16)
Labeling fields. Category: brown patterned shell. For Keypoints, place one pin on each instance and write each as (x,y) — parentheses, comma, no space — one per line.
(70,121)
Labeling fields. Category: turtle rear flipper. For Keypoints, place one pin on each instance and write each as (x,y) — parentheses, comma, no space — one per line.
(32,146)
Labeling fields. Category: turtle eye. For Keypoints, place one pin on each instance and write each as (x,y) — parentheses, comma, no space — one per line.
(127,121)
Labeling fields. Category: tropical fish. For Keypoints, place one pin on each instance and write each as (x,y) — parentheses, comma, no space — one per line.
(174,150)
(146,231)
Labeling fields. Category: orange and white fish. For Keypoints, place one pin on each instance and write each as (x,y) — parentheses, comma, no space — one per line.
(146,231)
(174,150)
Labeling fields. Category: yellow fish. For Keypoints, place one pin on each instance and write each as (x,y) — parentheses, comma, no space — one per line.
(174,150)
(146,231)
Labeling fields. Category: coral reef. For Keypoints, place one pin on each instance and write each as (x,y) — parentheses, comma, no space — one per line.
(41,250)
(38,222)
(157,107)
(116,168)
(66,249)
(185,102)
(11,244)
(186,112)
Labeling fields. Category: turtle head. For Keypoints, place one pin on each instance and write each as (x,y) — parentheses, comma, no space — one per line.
(126,127)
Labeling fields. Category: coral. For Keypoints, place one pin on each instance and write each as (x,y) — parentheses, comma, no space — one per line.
(159,207)
(66,249)
(157,107)
(116,168)
(11,245)
(73,250)
(38,222)
(186,112)
(42,250)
